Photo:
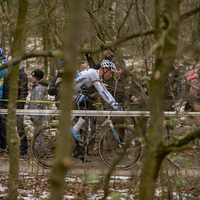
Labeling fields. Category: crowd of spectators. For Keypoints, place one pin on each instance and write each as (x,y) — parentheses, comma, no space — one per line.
(128,93)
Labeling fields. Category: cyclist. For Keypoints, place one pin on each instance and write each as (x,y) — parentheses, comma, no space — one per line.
(86,79)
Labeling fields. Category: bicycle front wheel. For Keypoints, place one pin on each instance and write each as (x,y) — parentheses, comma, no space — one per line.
(121,156)
(43,145)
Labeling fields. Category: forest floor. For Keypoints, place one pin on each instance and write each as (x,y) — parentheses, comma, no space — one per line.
(182,169)
(80,180)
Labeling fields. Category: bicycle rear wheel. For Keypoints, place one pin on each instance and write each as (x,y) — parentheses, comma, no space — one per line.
(45,156)
(124,157)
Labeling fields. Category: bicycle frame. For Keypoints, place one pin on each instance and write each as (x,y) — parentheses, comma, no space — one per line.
(98,129)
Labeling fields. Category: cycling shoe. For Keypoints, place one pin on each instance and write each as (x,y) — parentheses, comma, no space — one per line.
(82,158)
(76,134)
(85,159)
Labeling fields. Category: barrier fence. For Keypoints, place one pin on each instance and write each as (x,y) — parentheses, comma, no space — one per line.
(95,113)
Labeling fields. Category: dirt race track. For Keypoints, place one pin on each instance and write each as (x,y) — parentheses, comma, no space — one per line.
(78,168)
(186,163)
(98,167)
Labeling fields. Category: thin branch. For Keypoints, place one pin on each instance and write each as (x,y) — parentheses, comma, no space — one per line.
(126,17)
(102,27)
(144,14)
(117,42)
(30,25)
(27,55)
(135,35)
(182,148)
(189,13)
(173,163)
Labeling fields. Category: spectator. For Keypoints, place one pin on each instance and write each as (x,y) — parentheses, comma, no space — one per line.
(38,93)
(138,95)
(173,89)
(22,93)
(82,65)
(191,93)
(109,54)
(9,58)
(119,87)
(56,83)
(3,142)
(2,57)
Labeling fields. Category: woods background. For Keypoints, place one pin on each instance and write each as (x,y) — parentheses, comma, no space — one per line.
(154,34)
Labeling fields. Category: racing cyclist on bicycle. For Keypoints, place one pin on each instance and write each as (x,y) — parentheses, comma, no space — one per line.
(86,79)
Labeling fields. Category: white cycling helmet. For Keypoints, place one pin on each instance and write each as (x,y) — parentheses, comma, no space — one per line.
(109,65)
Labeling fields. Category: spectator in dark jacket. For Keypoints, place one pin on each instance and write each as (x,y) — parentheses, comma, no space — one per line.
(3,142)
(119,88)
(109,54)
(173,89)
(38,93)
(138,95)
(22,94)
(56,83)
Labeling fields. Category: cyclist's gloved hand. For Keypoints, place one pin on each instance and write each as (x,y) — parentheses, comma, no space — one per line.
(115,105)
(120,108)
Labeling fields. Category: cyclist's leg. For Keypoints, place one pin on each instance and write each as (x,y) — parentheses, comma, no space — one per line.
(90,105)
(75,130)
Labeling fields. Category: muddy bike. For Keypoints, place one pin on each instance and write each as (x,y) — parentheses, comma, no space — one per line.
(119,146)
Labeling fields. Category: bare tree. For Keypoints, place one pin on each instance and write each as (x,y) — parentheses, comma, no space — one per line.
(63,153)
(12,135)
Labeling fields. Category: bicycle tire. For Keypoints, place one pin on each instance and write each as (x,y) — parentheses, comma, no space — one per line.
(109,150)
(50,134)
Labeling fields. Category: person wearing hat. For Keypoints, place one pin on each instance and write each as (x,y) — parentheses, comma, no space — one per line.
(55,85)
(38,93)
(191,93)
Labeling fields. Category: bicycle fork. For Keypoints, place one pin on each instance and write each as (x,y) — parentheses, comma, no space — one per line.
(109,121)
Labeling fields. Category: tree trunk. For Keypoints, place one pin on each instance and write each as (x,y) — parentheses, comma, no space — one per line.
(12,135)
(62,164)
(164,59)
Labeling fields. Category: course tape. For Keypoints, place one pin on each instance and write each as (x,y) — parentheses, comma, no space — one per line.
(97,104)
(36,101)
(33,101)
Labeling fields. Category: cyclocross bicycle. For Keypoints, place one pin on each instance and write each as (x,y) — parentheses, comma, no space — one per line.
(119,146)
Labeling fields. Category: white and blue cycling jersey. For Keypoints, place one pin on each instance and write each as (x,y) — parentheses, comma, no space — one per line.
(89,77)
